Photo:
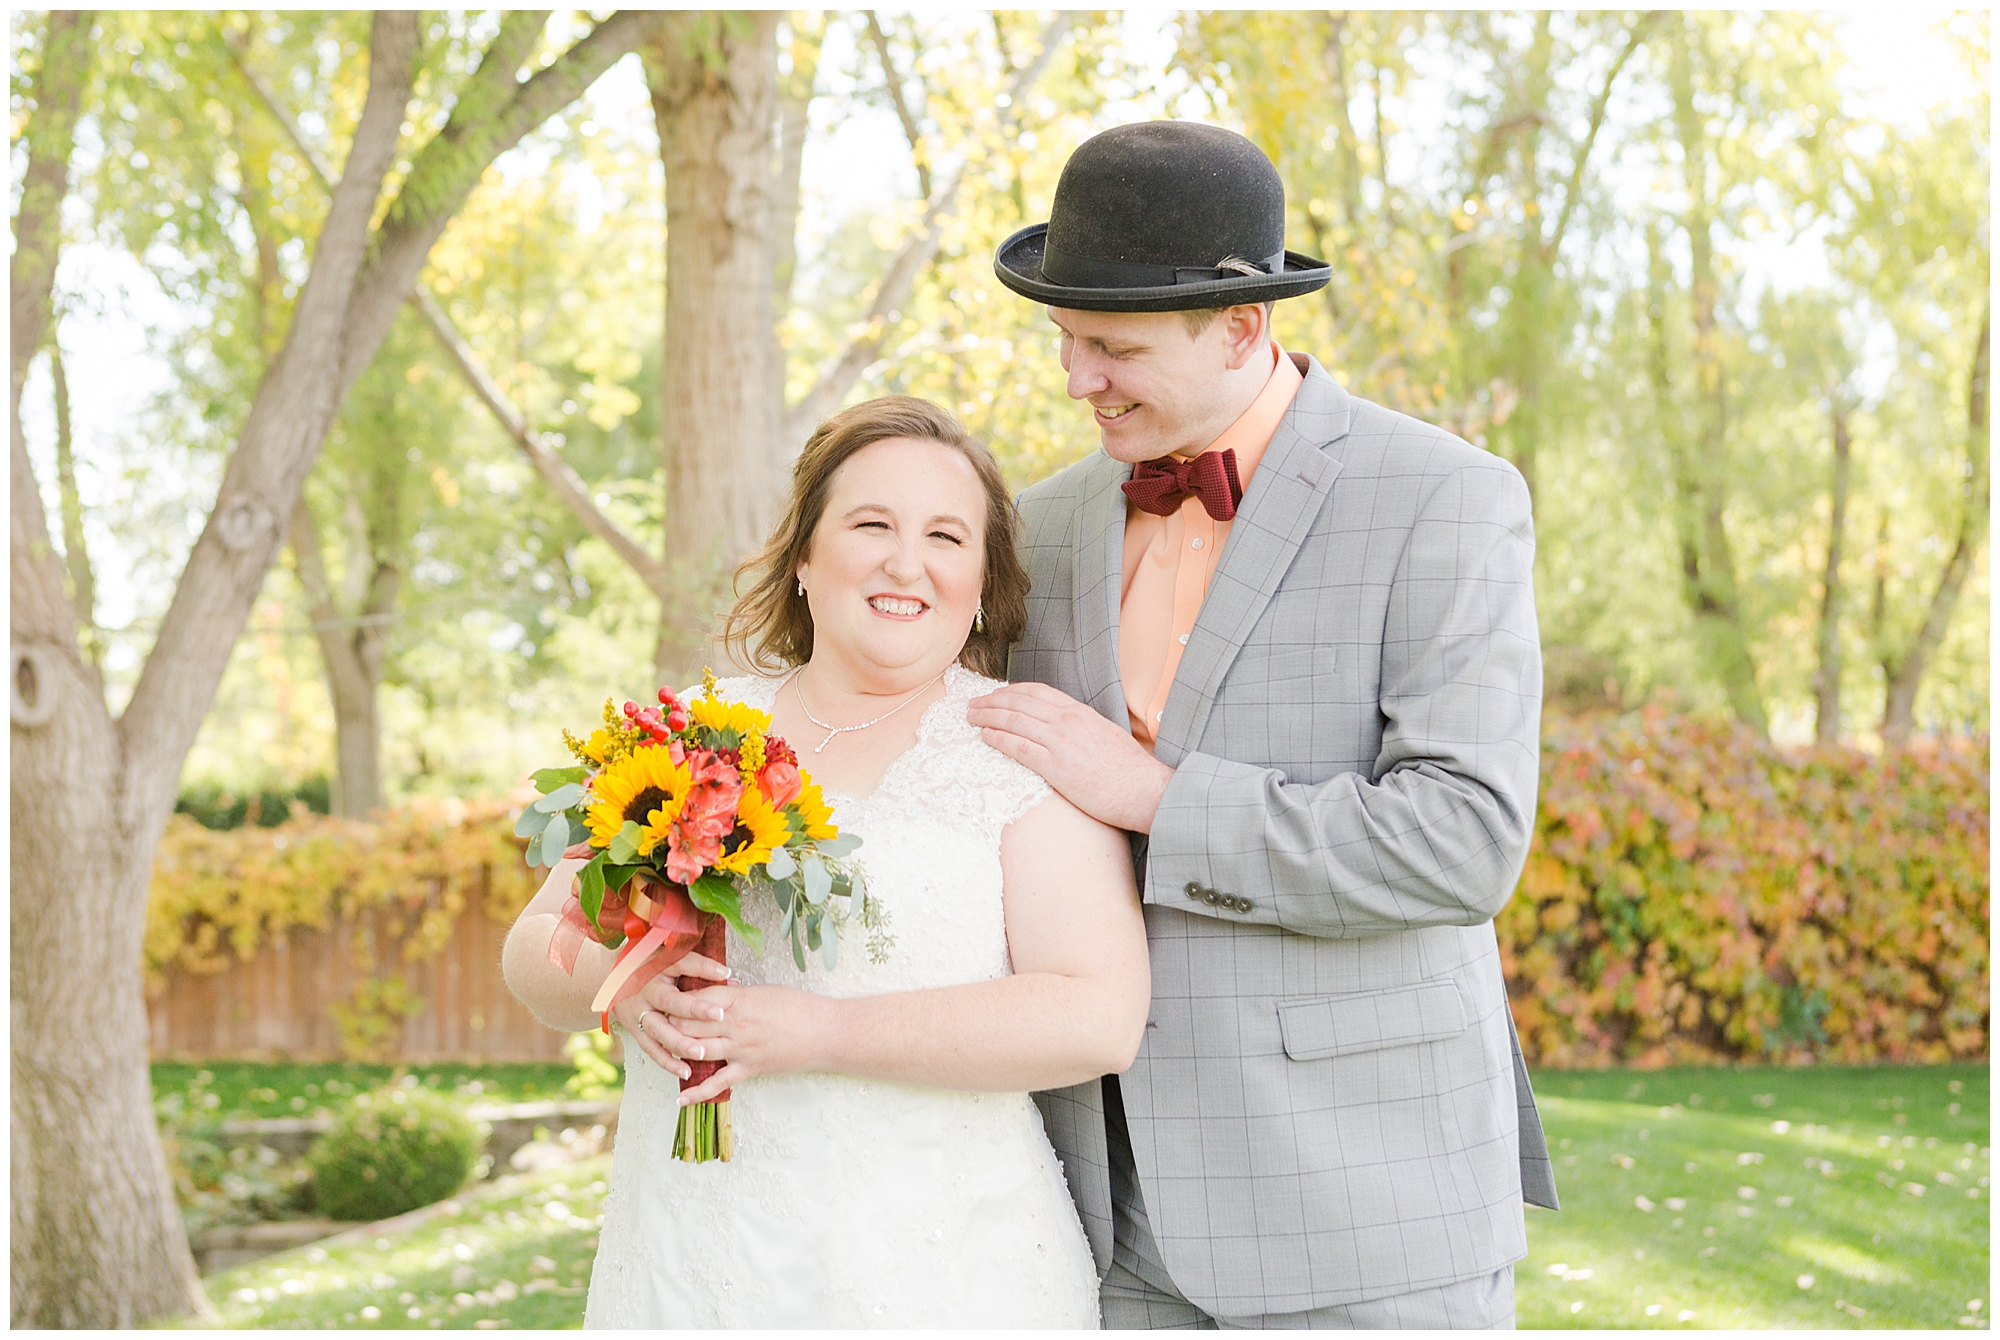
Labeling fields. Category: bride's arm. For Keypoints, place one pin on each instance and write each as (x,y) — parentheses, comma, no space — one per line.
(562,1000)
(1074,1008)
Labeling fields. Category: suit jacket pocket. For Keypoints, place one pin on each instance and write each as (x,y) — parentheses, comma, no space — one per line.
(1367,1021)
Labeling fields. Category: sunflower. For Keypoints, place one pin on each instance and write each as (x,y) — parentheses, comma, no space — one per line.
(816,814)
(759,831)
(718,715)
(647,788)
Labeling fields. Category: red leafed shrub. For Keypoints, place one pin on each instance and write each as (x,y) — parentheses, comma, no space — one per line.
(1695,892)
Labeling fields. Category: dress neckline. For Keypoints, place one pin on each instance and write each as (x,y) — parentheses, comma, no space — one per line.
(927,723)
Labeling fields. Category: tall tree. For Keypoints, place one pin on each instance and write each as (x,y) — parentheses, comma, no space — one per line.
(96,1239)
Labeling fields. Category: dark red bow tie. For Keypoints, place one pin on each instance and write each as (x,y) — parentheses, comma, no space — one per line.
(1160,486)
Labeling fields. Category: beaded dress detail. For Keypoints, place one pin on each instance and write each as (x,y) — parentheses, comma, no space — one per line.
(848,1202)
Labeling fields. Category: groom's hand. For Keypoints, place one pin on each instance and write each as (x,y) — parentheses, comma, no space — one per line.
(1097,767)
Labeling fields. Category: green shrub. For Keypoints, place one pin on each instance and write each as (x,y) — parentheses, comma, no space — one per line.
(392,1150)
(216,806)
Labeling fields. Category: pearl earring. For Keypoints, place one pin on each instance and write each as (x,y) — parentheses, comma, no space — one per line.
(802,586)
(979,618)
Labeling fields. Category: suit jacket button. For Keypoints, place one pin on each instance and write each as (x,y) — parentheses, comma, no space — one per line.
(1193,889)
(1244,904)
(1211,897)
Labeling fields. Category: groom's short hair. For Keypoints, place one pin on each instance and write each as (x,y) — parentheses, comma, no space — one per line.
(1199,319)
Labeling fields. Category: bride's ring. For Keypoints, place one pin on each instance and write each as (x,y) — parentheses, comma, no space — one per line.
(640,1022)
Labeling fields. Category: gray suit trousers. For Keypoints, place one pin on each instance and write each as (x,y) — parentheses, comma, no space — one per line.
(1139,1295)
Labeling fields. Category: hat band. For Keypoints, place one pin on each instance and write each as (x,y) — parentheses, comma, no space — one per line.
(1071,271)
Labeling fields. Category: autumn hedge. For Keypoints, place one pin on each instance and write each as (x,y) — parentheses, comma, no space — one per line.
(1693,893)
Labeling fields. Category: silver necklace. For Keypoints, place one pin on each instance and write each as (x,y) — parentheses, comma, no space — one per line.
(833,730)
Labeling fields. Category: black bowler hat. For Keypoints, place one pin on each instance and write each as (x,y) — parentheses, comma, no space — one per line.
(1142,218)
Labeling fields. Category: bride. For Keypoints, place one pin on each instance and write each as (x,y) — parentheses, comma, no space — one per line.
(889,1168)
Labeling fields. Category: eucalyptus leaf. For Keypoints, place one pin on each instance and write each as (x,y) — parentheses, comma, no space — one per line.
(554,838)
(788,907)
(560,799)
(818,882)
(781,864)
(531,822)
(839,846)
(830,948)
(798,951)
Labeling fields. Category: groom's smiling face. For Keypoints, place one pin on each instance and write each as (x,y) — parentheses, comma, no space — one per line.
(1153,387)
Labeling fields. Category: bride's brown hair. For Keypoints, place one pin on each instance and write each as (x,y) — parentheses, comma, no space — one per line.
(771,625)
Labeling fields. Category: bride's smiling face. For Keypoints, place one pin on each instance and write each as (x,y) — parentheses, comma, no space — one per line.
(897,561)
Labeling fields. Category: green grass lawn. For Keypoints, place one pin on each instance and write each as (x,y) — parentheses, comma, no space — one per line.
(516,1253)
(224,1089)
(1778,1198)
(1825,1197)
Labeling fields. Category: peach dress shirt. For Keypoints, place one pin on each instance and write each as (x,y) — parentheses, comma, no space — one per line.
(1170,560)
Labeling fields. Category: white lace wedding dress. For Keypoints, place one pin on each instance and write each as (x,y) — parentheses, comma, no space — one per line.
(851,1202)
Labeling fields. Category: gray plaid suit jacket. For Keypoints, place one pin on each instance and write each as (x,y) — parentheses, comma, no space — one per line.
(1329,1104)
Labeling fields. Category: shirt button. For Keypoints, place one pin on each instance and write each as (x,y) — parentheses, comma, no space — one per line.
(1184,638)
(1197,541)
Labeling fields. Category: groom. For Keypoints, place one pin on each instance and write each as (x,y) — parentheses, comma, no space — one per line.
(1287,639)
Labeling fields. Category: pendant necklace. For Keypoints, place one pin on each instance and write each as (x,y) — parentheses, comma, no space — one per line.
(833,730)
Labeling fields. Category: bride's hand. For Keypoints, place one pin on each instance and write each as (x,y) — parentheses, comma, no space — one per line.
(754,1030)
(650,1014)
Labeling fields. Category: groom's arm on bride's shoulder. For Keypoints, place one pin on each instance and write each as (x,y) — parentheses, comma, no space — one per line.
(1436,831)
(562,999)
(1073,1008)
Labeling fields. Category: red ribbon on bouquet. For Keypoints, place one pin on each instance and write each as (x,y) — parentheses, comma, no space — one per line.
(661,925)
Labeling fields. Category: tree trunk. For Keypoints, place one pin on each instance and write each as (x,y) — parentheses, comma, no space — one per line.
(714,83)
(76,550)
(1826,680)
(354,649)
(1906,675)
(95,1240)
(1710,581)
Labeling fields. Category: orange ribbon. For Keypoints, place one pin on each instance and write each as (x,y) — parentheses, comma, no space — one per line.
(660,926)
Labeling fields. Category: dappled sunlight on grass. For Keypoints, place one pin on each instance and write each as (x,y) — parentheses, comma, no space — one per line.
(1826,1197)
(517,1254)
(1692,1198)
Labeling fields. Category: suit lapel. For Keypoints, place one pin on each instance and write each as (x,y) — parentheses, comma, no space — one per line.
(1284,496)
(1100,530)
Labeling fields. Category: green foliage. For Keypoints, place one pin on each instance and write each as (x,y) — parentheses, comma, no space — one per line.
(392,1150)
(596,1076)
(217,1182)
(215,806)
(1695,892)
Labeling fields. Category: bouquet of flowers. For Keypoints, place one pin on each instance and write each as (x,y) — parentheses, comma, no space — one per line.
(683,810)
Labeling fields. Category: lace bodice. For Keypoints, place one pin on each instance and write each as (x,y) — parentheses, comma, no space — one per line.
(855,1202)
(930,851)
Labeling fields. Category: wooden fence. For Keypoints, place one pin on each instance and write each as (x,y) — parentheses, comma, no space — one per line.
(280,1003)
